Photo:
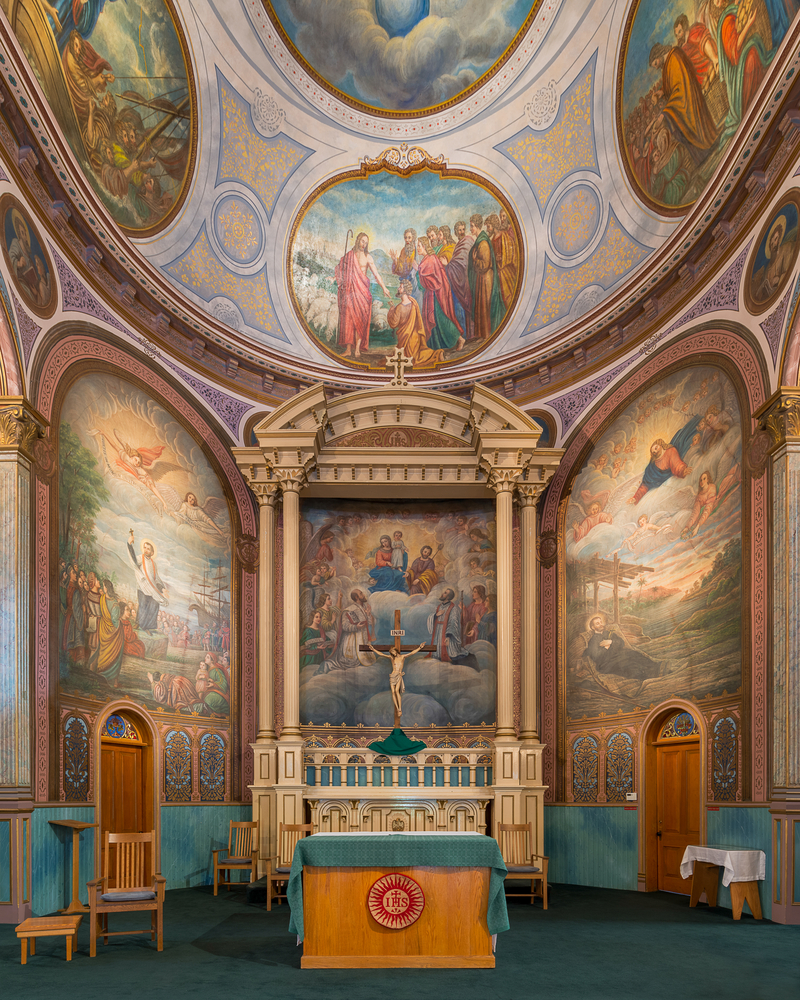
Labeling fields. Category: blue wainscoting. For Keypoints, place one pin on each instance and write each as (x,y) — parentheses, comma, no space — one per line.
(592,845)
(51,858)
(738,827)
(188,835)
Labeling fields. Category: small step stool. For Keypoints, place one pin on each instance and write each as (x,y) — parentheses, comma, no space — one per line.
(35,927)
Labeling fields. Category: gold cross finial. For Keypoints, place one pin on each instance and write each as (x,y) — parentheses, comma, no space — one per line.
(399,362)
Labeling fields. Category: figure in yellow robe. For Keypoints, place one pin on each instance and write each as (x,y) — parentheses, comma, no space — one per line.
(406,321)
(685,108)
(106,660)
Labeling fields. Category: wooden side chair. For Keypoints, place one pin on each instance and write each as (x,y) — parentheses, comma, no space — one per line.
(242,853)
(279,866)
(136,887)
(516,841)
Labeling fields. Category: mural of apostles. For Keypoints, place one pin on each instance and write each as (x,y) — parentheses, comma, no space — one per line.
(654,552)
(144,555)
(375,266)
(401,55)
(116,77)
(691,72)
(436,564)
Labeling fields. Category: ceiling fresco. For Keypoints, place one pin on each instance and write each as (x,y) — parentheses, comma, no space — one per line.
(688,79)
(117,80)
(404,57)
(279,184)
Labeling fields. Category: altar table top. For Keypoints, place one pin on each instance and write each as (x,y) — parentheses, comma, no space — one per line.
(739,865)
(400,850)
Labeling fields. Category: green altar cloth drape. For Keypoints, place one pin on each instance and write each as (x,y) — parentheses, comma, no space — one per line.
(400,850)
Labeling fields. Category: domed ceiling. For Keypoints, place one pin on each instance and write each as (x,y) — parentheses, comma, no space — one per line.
(460,178)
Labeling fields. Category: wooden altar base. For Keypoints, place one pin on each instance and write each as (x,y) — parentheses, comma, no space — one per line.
(451,932)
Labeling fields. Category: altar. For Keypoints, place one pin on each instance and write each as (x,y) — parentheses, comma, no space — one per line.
(397,900)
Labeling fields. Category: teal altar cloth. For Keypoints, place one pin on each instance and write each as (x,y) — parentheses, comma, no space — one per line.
(400,850)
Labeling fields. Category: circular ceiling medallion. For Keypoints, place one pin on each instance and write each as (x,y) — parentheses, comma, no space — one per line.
(237,230)
(395,901)
(418,257)
(402,58)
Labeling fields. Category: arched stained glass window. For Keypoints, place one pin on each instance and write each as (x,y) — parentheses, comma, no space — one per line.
(585,767)
(76,759)
(212,768)
(619,767)
(177,767)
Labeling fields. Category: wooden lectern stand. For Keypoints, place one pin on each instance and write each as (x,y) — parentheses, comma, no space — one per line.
(74,905)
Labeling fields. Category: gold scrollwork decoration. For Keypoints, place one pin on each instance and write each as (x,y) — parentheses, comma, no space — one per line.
(403,157)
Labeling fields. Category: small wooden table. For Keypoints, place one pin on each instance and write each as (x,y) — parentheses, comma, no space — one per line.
(742,870)
(74,905)
(35,927)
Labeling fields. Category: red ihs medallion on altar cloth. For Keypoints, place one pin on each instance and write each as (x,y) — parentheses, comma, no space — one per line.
(395,901)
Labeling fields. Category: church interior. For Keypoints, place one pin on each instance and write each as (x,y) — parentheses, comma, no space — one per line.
(466,513)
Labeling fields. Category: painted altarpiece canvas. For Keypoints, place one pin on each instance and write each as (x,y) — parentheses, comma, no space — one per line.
(144,568)
(436,564)
(654,552)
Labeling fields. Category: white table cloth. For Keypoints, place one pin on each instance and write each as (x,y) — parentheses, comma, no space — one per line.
(738,865)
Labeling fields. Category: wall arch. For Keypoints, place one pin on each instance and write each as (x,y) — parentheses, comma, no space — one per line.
(59,365)
(731,349)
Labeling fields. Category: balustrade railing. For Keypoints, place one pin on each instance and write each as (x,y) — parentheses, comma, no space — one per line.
(433,768)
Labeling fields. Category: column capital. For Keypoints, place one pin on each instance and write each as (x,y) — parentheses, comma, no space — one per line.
(503,480)
(20,425)
(291,480)
(265,493)
(779,417)
(528,493)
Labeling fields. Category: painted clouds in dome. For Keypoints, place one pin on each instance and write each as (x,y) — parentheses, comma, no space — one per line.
(654,552)
(144,556)
(401,55)
(115,75)
(690,73)
(436,564)
(425,262)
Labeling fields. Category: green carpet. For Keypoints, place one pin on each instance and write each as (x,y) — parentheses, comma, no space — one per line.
(591,943)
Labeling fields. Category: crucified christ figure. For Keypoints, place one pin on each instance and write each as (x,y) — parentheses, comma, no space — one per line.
(396,683)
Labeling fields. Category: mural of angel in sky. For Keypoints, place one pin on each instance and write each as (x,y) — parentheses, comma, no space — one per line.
(654,556)
(141,467)
(145,547)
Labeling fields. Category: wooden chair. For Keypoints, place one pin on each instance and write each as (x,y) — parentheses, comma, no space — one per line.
(515,840)
(136,887)
(278,876)
(242,853)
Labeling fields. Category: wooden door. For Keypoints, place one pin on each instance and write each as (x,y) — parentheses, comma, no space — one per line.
(678,775)
(122,792)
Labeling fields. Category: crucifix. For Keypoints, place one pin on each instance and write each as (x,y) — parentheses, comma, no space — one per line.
(399,362)
(397,653)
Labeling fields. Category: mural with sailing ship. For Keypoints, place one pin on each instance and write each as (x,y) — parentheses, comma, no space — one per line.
(436,564)
(144,556)
(116,76)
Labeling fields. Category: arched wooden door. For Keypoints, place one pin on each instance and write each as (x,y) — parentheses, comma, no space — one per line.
(126,793)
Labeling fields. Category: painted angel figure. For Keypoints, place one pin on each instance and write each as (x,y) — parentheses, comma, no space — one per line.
(643,530)
(593,509)
(141,467)
(202,519)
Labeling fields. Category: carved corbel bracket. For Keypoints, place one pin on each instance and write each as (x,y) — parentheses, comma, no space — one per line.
(778,424)
(20,425)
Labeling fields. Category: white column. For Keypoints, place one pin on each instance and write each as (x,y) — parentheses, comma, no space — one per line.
(267,495)
(291,484)
(503,485)
(529,614)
